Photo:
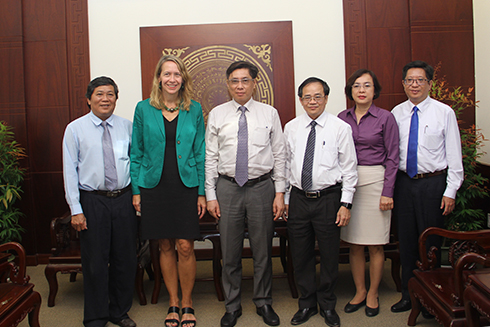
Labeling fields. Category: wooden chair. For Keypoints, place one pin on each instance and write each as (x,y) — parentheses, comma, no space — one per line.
(440,290)
(477,294)
(66,259)
(17,296)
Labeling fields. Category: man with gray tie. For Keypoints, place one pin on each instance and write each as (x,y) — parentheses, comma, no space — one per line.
(321,165)
(97,186)
(430,171)
(245,185)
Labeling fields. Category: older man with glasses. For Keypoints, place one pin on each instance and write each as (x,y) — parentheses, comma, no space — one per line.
(322,172)
(430,170)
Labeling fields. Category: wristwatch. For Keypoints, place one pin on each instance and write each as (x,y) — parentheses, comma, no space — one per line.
(347,205)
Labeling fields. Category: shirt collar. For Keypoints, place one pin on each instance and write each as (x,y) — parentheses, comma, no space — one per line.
(373,111)
(97,121)
(422,106)
(247,105)
(321,120)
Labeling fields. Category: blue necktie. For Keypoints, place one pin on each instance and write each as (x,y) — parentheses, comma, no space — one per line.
(306,173)
(110,171)
(241,168)
(413,138)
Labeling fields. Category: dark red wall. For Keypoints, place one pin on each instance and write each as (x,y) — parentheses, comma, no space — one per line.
(44,60)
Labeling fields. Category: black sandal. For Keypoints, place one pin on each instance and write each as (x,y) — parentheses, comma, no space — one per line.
(191,312)
(170,322)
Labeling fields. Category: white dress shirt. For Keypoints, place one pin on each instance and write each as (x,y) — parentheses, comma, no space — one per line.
(439,142)
(266,146)
(83,158)
(335,157)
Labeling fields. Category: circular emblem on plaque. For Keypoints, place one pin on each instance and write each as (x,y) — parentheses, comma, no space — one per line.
(207,67)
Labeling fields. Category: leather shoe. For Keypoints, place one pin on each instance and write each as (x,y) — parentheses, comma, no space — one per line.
(127,322)
(303,315)
(371,312)
(401,306)
(331,317)
(270,317)
(230,318)
(349,307)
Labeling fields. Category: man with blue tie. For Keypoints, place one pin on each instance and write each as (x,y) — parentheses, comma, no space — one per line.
(98,191)
(245,185)
(430,171)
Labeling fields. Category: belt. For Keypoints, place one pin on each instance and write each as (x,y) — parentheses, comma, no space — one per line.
(317,194)
(111,194)
(425,175)
(250,182)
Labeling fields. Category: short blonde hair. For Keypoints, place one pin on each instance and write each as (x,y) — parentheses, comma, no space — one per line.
(185,92)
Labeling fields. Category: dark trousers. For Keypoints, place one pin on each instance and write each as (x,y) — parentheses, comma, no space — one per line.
(249,206)
(310,218)
(108,249)
(417,207)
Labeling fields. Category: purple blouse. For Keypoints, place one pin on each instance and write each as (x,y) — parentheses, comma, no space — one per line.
(376,140)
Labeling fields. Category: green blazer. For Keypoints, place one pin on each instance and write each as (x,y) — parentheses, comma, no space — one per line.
(148,146)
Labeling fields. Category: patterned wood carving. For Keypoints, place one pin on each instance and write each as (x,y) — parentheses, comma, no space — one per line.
(268,45)
(355,36)
(78,56)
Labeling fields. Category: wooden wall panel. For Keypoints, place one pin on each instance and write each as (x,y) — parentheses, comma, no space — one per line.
(46,77)
(48,124)
(387,13)
(44,60)
(441,12)
(12,90)
(454,49)
(11,22)
(399,31)
(388,49)
(45,20)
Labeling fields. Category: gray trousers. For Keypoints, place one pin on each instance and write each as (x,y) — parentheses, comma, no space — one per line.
(241,207)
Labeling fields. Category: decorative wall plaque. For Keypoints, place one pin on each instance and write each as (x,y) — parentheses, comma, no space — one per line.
(208,50)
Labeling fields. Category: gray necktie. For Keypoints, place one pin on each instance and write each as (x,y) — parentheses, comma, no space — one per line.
(241,168)
(306,173)
(110,171)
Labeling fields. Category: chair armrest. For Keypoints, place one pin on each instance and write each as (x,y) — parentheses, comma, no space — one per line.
(17,272)
(428,259)
(465,262)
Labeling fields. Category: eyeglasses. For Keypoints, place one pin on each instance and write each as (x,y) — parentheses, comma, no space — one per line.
(358,86)
(245,81)
(420,81)
(317,98)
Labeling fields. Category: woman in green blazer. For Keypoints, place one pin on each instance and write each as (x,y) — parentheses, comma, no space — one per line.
(167,173)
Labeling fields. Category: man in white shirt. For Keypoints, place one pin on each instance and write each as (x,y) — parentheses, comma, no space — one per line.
(430,171)
(321,167)
(245,185)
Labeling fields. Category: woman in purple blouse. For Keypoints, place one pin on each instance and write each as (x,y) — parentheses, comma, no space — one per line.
(375,134)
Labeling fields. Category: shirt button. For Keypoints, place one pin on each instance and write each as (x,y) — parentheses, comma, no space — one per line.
(178,142)
(180,157)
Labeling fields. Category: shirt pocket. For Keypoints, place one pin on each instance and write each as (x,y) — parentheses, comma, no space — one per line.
(328,157)
(432,139)
(260,136)
(121,150)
